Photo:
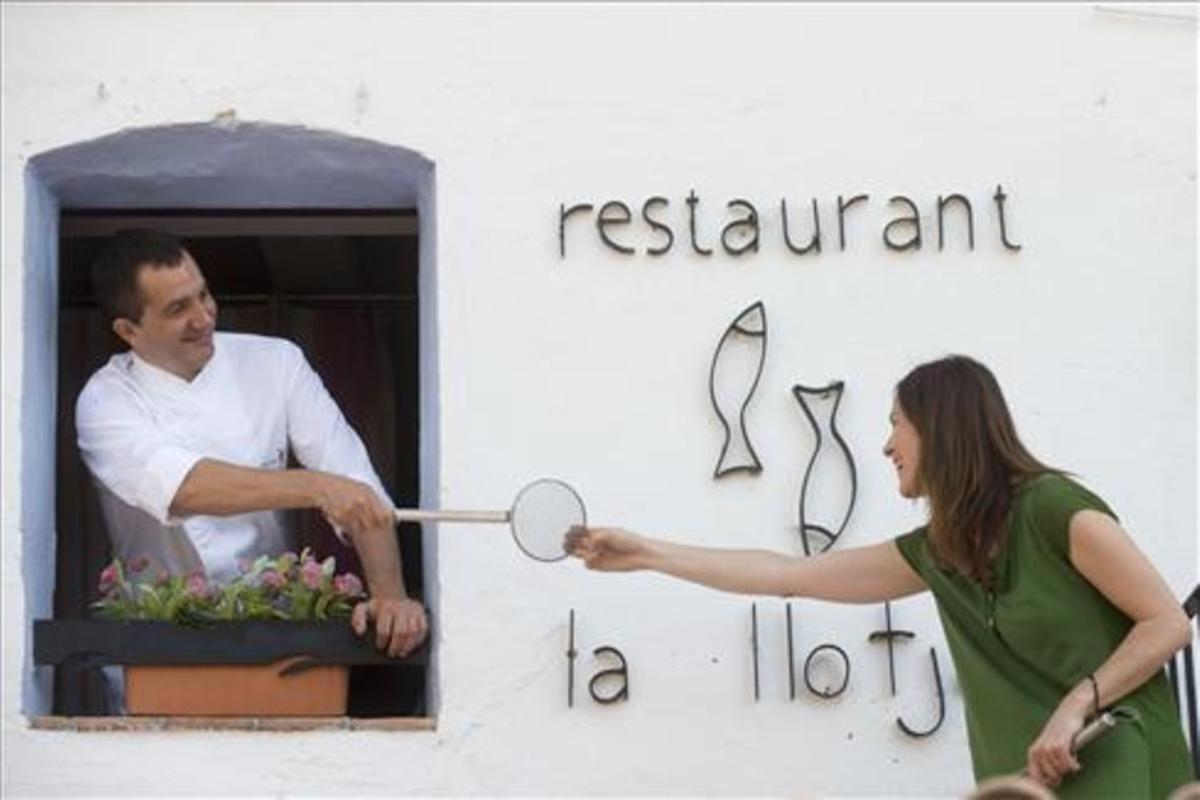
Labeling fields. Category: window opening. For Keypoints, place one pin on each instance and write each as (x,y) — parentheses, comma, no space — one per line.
(341,285)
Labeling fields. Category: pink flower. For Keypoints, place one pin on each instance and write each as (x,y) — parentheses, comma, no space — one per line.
(196,584)
(138,564)
(273,579)
(310,574)
(348,584)
(108,577)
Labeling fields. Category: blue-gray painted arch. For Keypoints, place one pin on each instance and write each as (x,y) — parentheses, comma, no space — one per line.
(233,165)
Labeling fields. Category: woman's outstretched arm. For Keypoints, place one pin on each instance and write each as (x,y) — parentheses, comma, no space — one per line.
(868,574)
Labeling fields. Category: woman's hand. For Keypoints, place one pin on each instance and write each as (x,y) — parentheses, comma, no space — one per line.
(1050,756)
(608,549)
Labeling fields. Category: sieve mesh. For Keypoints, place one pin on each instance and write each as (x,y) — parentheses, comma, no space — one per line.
(542,514)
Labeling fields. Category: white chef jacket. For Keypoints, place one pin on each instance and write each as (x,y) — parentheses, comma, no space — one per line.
(142,429)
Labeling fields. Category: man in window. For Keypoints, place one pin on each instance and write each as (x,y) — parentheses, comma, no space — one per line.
(187,435)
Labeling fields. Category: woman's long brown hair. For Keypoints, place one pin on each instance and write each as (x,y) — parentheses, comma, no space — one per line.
(971,459)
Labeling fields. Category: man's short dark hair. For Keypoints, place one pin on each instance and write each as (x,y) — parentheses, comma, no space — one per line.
(115,270)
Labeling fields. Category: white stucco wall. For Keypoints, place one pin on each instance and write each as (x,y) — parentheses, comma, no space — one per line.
(594,368)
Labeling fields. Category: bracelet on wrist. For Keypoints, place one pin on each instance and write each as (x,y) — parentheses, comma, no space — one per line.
(1095,694)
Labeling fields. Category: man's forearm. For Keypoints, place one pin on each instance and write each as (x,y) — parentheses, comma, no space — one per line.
(220,489)
(379,552)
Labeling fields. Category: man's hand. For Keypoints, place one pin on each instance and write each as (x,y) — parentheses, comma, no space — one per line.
(400,623)
(351,506)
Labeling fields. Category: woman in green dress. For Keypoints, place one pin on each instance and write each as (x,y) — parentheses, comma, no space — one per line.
(1050,611)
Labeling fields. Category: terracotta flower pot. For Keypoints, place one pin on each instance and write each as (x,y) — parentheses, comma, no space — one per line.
(236,690)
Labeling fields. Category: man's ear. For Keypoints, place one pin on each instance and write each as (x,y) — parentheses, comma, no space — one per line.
(125,329)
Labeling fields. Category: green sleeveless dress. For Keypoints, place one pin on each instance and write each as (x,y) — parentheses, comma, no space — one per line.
(1020,648)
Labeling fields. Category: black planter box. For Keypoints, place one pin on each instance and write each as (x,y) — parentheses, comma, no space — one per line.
(79,644)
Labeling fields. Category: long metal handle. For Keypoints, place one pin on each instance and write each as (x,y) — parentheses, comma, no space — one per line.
(418,515)
(1101,725)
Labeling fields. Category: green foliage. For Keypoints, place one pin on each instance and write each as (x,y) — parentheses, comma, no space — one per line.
(290,587)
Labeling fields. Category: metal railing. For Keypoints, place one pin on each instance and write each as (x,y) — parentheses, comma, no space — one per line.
(1187,706)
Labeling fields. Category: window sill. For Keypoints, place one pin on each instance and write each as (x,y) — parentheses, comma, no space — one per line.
(269,724)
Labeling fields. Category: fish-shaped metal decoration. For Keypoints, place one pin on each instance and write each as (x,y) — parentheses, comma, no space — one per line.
(808,528)
(739,358)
